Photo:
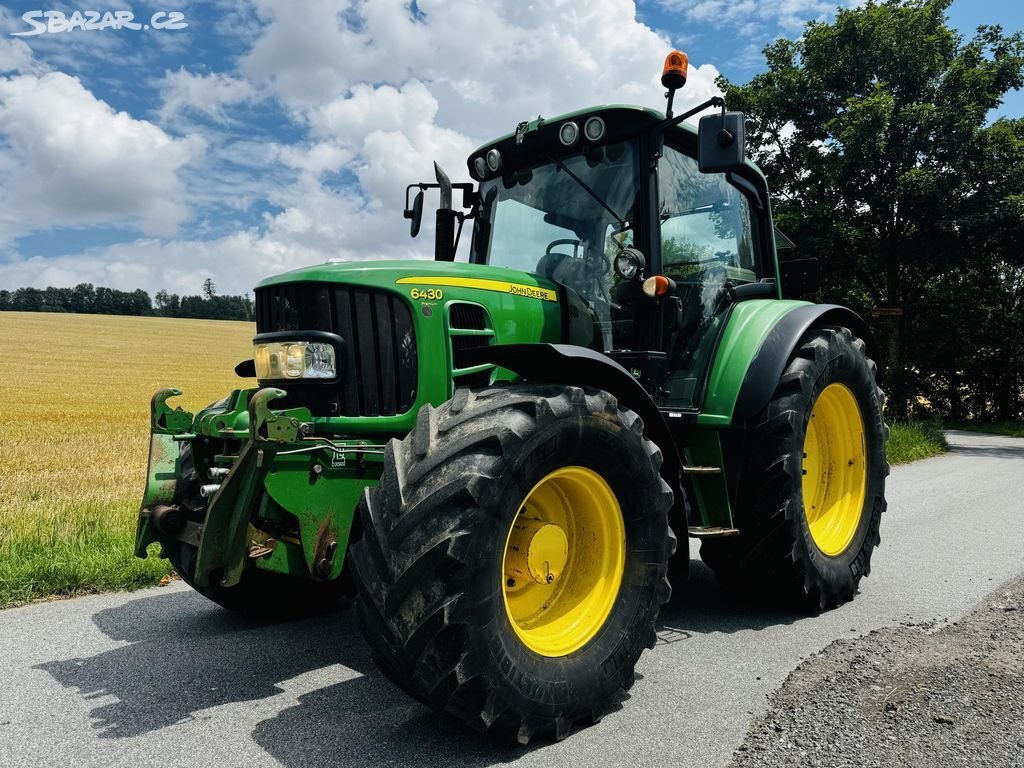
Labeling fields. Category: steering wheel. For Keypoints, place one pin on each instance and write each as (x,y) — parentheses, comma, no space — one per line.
(565,241)
(603,263)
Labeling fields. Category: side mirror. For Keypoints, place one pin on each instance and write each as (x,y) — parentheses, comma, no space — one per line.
(415,213)
(721,145)
(800,277)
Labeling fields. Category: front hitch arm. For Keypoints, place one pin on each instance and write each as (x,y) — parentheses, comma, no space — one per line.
(222,553)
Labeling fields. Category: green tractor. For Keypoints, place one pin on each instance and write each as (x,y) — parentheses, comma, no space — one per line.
(496,457)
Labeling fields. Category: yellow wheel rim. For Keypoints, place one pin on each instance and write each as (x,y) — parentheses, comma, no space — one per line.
(563,561)
(834,469)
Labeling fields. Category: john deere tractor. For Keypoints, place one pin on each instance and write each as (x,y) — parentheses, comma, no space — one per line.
(496,456)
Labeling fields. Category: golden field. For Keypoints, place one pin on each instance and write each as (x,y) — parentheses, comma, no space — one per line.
(74,425)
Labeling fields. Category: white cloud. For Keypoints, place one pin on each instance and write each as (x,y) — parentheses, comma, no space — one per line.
(16,56)
(70,160)
(752,18)
(204,94)
(380,93)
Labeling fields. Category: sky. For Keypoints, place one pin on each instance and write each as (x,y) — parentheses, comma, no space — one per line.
(236,139)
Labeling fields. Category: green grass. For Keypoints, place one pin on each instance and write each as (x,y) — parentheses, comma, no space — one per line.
(1007,428)
(99,560)
(915,440)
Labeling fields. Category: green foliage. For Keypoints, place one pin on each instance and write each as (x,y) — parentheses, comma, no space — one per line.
(872,132)
(909,441)
(85,299)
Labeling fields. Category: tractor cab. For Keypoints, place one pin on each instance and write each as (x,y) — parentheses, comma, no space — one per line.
(612,204)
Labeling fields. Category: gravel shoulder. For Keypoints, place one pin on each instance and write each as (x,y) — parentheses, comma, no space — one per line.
(910,695)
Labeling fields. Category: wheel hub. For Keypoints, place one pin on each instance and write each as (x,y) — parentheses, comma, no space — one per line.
(563,563)
(536,551)
(834,469)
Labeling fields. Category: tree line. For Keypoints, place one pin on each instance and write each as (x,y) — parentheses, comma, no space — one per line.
(85,298)
(876,136)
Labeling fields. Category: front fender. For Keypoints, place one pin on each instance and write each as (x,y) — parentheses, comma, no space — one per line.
(576,366)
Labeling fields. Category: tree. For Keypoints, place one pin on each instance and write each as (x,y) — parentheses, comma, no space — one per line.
(83,297)
(872,132)
(209,289)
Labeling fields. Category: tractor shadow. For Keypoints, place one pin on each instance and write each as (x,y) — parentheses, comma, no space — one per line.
(706,606)
(183,654)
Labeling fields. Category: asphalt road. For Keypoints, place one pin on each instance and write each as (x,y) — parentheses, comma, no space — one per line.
(162,677)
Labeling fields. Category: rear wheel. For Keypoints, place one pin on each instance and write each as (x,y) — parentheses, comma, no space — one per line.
(513,557)
(812,489)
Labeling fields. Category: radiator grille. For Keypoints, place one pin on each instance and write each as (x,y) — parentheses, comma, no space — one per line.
(379,364)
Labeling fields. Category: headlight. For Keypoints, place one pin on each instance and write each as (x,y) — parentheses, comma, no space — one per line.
(629,263)
(493,160)
(294,360)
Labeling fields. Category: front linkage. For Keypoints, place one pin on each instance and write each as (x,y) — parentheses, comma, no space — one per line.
(241,486)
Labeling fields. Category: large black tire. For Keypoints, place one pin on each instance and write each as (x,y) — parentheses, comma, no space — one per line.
(261,595)
(775,557)
(429,565)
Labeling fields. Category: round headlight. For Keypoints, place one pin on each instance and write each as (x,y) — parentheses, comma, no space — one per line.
(594,129)
(480,166)
(629,263)
(569,133)
(493,160)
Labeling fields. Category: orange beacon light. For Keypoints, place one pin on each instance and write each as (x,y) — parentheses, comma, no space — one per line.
(673,76)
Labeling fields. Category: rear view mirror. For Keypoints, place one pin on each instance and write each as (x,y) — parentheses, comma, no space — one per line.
(415,213)
(721,145)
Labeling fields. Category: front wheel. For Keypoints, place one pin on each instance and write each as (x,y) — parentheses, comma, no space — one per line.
(812,489)
(513,558)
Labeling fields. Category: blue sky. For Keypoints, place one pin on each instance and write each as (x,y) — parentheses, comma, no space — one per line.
(259,138)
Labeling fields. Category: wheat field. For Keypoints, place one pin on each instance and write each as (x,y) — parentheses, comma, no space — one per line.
(74,424)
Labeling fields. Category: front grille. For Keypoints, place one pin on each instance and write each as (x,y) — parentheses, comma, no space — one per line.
(379,363)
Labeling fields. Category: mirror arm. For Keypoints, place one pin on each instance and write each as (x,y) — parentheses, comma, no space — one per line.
(714,101)
(671,121)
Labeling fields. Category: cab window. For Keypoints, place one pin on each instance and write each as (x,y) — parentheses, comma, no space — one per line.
(707,245)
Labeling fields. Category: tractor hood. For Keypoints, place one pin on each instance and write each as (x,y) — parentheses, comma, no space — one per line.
(411,273)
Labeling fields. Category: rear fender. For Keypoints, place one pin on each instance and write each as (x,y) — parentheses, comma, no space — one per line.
(770,360)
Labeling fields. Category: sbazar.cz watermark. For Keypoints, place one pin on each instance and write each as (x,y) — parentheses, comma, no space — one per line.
(53,22)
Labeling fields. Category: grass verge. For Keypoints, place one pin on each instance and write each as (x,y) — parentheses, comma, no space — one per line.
(913,440)
(1007,428)
(74,436)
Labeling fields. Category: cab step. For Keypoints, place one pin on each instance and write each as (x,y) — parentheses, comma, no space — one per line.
(715,532)
(702,470)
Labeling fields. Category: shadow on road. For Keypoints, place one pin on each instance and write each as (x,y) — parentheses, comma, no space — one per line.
(184,655)
(969,444)
(706,606)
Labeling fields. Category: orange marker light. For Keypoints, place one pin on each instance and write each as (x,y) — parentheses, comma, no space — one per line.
(673,76)
(656,285)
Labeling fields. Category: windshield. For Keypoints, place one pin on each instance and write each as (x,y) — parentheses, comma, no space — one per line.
(564,220)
